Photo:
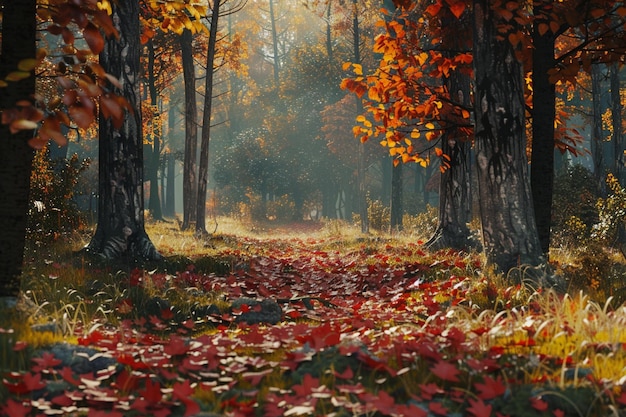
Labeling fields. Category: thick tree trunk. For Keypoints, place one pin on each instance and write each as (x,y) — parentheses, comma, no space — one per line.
(120,231)
(190,182)
(18,43)
(509,231)
(454,198)
(154,203)
(203,173)
(455,205)
(544,113)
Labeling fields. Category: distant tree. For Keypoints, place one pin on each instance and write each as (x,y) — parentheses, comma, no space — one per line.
(120,231)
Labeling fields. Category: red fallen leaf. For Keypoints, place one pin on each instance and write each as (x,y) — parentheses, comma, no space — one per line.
(490,389)
(410,410)
(478,408)
(347,374)
(14,408)
(445,371)
(62,400)
(176,346)
(68,376)
(126,382)
(33,382)
(428,391)
(622,398)
(437,408)
(183,391)
(20,346)
(167,314)
(538,404)
(307,386)
(152,393)
(558,413)
(383,402)
(46,362)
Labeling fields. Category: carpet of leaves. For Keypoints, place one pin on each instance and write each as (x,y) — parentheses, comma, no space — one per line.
(385,332)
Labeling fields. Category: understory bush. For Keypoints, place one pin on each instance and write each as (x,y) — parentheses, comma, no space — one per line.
(574,206)
(53,208)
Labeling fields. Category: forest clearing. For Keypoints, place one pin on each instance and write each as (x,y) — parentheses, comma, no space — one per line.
(320,321)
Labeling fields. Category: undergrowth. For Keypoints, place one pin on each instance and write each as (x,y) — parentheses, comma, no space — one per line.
(371,325)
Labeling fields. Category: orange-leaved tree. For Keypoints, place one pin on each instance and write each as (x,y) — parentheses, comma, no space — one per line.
(419,102)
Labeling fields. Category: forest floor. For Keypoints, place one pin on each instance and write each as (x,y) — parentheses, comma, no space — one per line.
(306,320)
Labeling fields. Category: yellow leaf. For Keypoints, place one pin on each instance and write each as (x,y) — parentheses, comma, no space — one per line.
(358,69)
(22,124)
(346,65)
(383,143)
(429,126)
(17,75)
(361,119)
(415,134)
(27,64)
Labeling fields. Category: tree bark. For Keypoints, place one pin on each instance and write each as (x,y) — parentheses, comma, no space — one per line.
(170,186)
(396,198)
(154,203)
(120,231)
(616,111)
(455,205)
(203,173)
(191,132)
(509,232)
(544,113)
(597,136)
(18,43)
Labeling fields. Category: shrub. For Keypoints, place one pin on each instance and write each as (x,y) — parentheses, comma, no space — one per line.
(422,224)
(612,212)
(575,211)
(281,209)
(379,215)
(53,183)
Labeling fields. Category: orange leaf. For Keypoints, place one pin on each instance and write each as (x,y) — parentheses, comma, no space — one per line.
(94,38)
(457,9)
(81,116)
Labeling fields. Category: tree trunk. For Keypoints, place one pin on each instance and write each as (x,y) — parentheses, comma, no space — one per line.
(396,198)
(616,111)
(544,113)
(597,136)
(154,202)
(120,231)
(361,192)
(455,205)
(18,43)
(170,187)
(203,173)
(191,131)
(509,231)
